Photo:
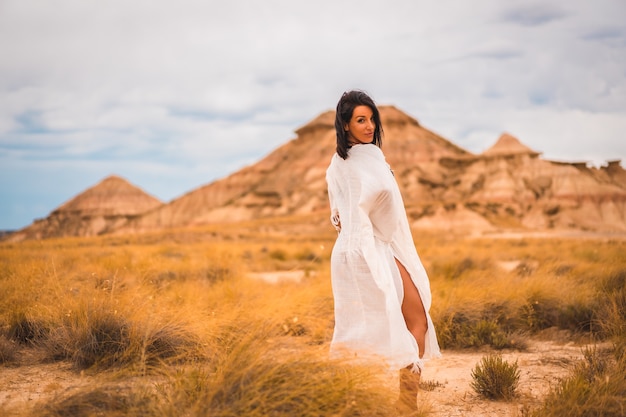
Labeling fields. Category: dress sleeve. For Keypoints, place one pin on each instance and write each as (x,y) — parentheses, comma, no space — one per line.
(335,219)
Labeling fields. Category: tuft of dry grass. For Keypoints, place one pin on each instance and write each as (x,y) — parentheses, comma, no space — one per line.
(26,329)
(96,334)
(596,387)
(597,384)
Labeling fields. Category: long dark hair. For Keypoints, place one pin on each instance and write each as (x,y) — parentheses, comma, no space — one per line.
(345,108)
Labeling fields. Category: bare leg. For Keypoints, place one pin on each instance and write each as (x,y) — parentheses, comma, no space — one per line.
(413,309)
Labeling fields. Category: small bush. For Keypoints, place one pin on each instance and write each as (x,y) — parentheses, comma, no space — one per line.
(460,331)
(453,269)
(495,379)
(486,332)
(278,254)
(539,312)
(592,366)
(577,317)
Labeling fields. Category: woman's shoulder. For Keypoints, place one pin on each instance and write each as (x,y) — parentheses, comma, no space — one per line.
(358,155)
(366,150)
(335,163)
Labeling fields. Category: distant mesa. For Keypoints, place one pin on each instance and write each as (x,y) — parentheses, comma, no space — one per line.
(508,187)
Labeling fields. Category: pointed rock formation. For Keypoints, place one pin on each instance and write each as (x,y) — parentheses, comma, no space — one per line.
(292,179)
(512,187)
(509,145)
(113,196)
(97,210)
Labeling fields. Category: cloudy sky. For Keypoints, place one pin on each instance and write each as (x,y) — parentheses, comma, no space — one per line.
(172,95)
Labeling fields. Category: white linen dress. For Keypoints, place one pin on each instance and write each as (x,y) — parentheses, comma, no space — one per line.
(366,282)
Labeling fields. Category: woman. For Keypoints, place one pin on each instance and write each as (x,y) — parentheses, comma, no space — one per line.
(381,290)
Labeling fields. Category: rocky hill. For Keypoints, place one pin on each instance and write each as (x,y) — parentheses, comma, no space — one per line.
(507,187)
(291,180)
(97,210)
(510,186)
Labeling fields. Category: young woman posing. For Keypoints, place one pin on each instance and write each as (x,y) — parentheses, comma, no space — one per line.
(381,290)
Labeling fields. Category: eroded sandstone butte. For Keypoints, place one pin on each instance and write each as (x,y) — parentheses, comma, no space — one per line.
(507,187)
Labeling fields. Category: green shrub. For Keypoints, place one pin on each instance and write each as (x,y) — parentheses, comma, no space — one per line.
(494,378)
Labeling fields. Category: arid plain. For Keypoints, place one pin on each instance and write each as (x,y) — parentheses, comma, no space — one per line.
(236,319)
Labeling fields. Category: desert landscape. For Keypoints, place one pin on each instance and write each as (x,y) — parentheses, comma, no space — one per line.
(236,320)
(219,302)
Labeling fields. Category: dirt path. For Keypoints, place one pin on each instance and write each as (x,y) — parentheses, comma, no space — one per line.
(28,384)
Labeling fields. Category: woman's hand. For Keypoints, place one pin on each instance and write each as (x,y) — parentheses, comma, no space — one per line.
(334,219)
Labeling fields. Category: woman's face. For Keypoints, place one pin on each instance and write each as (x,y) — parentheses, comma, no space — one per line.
(361,126)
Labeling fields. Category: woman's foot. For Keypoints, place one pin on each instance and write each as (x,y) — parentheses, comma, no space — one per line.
(409,386)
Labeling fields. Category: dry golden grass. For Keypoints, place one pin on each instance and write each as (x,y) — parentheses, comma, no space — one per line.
(172,325)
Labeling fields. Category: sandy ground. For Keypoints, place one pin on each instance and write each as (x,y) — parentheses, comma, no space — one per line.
(541,366)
